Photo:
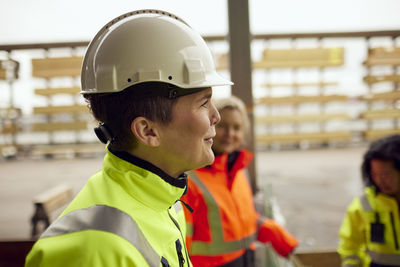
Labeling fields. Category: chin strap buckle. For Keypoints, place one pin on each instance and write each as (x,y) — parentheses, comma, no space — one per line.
(104,133)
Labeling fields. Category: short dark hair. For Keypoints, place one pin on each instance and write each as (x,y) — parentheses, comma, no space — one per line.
(387,148)
(118,110)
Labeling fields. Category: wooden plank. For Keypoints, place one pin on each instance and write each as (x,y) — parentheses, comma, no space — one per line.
(56,67)
(319,258)
(372,135)
(9,127)
(57,91)
(59,126)
(298,137)
(301,99)
(319,84)
(60,109)
(64,149)
(384,52)
(386,96)
(54,198)
(383,56)
(3,74)
(301,118)
(381,114)
(296,58)
(372,79)
(382,61)
(294,64)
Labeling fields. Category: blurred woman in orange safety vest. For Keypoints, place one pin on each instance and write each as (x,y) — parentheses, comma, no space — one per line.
(223,226)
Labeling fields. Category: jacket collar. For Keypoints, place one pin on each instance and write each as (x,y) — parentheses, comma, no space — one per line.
(144,181)
(242,161)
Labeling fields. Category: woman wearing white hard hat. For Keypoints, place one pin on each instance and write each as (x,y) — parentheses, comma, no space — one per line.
(148,78)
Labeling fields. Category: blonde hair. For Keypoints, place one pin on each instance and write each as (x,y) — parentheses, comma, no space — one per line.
(234,102)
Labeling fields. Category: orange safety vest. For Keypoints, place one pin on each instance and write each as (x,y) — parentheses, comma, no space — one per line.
(224,222)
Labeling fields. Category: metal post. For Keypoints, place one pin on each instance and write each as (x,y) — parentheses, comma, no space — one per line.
(240,67)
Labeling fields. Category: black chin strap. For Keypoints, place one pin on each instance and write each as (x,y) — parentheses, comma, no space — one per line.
(104,133)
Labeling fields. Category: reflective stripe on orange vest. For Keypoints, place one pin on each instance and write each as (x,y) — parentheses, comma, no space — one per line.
(218,245)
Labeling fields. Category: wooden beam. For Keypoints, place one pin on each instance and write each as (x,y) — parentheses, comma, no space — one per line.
(386,96)
(381,114)
(54,198)
(3,74)
(301,118)
(382,61)
(59,126)
(297,58)
(63,149)
(57,91)
(297,84)
(60,109)
(383,56)
(319,258)
(56,67)
(372,135)
(301,99)
(298,137)
(372,79)
(212,38)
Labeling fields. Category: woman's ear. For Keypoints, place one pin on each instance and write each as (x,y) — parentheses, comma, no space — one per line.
(145,131)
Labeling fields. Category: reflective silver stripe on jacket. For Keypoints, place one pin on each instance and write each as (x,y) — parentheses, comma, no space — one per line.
(385,259)
(107,219)
(365,203)
(177,207)
(217,245)
(354,260)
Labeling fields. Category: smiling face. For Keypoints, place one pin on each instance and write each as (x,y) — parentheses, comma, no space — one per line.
(386,177)
(186,141)
(229,131)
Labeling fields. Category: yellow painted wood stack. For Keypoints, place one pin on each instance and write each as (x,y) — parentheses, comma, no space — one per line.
(72,117)
(296,59)
(383,99)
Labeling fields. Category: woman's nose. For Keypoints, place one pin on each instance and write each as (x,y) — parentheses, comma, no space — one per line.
(215,117)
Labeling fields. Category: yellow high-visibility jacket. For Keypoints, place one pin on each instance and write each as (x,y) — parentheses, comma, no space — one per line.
(125,215)
(370,231)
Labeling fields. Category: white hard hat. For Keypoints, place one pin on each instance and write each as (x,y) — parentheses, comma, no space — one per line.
(147,46)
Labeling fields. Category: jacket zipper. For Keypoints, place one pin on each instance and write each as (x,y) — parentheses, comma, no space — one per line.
(396,242)
(180,257)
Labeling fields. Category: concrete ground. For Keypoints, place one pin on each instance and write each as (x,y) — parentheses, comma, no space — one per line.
(312,189)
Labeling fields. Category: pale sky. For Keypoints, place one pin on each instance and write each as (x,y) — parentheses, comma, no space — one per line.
(26,21)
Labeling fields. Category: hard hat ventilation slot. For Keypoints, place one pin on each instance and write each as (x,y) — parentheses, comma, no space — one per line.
(170,77)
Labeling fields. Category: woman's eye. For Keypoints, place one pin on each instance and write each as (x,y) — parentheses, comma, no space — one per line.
(205,104)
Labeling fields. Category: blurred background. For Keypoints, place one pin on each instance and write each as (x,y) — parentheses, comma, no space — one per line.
(324,83)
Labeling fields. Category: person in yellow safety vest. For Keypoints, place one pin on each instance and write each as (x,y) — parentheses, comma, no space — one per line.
(370,232)
(224,223)
(147,77)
